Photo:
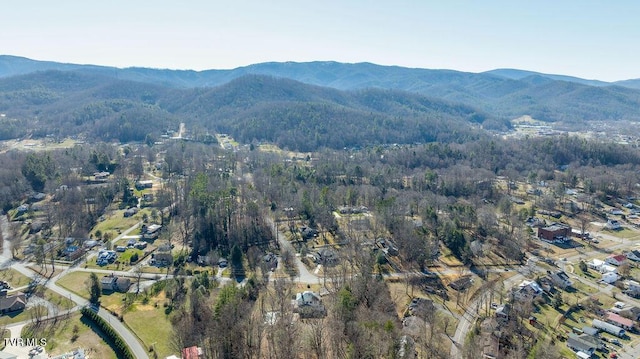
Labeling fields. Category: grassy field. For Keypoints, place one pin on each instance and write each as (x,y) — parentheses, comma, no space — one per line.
(14,278)
(75,282)
(158,334)
(61,302)
(116,223)
(625,233)
(71,333)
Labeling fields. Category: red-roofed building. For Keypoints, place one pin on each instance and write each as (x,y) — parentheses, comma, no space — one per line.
(193,352)
(620,321)
(616,259)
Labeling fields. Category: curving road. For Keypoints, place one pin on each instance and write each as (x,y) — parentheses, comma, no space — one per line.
(6,259)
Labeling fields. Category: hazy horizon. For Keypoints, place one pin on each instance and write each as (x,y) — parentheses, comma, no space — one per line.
(586,39)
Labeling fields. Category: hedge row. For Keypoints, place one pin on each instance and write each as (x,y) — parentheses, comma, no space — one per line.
(119,345)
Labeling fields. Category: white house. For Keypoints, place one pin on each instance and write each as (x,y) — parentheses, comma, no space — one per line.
(616,259)
(527,290)
(610,277)
(606,268)
(596,264)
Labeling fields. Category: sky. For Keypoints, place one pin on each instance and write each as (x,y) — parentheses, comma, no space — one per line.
(584,38)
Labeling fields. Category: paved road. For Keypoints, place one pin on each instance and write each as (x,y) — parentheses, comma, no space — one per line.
(304,276)
(132,342)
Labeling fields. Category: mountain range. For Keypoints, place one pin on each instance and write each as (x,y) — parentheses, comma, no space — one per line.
(306,102)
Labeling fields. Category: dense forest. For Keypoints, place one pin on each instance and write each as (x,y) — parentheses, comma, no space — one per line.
(297,106)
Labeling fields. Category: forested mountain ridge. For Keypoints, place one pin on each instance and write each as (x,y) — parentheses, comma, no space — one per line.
(289,113)
(503,93)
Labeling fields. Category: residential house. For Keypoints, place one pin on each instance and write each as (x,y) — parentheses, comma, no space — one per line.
(421,307)
(616,259)
(37,197)
(502,313)
(560,279)
(630,312)
(546,284)
(591,331)
(105,257)
(90,243)
(130,212)
(608,327)
(613,224)
(554,232)
(580,343)
(610,277)
(101,176)
(634,255)
(633,287)
(619,321)
(462,283)
(140,185)
(309,305)
(112,283)
(73,252)
(326,256)
(151,232)
(22,209)
(527,291)
(193,352)
(163,259)
(595,264)
(13,302)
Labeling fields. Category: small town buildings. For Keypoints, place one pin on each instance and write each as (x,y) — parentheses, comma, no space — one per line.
(73,252)
(101,176)
(309,305)
(608,327)
(105,257)
(578,344)
(502,313)
(193,352)
(140,185)
(595,264)
(632,286)
(613,224)
(130,212)
(633,255)
(610,277)
(12,302)
(560,279)
(151,232)
(554,232)
(591,331)
(619,321)
(616,259)
(163,259)
(112,283)
(527,291)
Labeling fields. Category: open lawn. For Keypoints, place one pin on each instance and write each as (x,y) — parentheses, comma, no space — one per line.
(152,326)
(68,334)
(21,316)
(116,223)
(61,302)
(75,282)
(625,233)
(14,278)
